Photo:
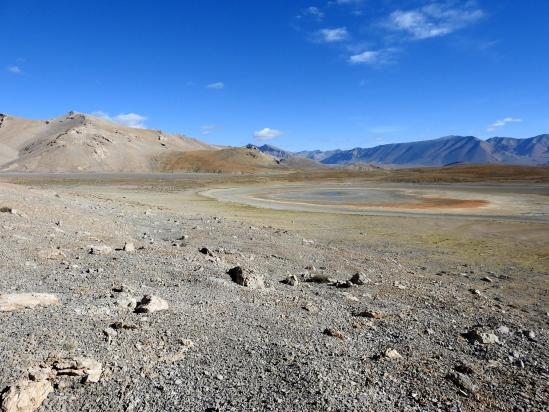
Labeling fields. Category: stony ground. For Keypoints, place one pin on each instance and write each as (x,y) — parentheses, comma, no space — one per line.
(409,338)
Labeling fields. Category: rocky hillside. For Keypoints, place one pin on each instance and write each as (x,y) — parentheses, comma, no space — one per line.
(79,142)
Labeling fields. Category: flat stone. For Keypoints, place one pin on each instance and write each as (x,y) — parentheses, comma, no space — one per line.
(101,250)
(19,301)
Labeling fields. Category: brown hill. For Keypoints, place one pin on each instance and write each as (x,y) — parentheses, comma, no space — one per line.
(79,142)
(228,160)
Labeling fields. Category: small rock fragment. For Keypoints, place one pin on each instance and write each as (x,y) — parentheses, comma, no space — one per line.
(486,338)
(319,278)
(392,354)
(359,278)
(206,251)
(343,284)
(110,334)
(530,334)
(463,382)
(128,247)
(150,304)
(291,280)
(247,279)
(126,301)
(334,333)
(100,250)
(309,307)
(371,314)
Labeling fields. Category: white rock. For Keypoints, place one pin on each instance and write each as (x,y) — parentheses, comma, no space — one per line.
(100,250)
(151,303)
(126,301)
(128,247)
(26,395)
(88,368)
(392,354)
(18,301)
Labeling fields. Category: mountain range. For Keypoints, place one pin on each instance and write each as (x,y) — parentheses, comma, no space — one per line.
(437,152)
(78,142)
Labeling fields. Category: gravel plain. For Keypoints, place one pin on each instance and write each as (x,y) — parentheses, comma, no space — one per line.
(301,332)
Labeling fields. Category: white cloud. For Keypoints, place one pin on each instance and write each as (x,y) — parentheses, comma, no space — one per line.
(131,120)
(314,12)
(333,35)
(434,20)
(125,119)
(267,134)
(374,57)
(500,123)
(366,57)
(216,86)
(14,69)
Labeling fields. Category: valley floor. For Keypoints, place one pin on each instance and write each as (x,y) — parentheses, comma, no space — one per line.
(452,314)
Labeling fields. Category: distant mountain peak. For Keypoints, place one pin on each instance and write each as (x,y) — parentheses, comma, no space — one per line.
(452,149)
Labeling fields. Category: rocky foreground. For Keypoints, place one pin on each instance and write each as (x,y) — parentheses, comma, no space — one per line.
(108,306)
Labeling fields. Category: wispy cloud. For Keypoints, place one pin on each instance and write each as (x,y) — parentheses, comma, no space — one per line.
(209,128)
(267,134)
(125,119)
(343,2)
(373,57)
(500,123)
(14,69)
(333,35)
(390,31)
(314,12)
(434,20)
(216,86)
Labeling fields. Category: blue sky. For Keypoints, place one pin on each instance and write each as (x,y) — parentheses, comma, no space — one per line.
(296,74)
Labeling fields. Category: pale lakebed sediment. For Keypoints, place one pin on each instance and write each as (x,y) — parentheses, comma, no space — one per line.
(473,201)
